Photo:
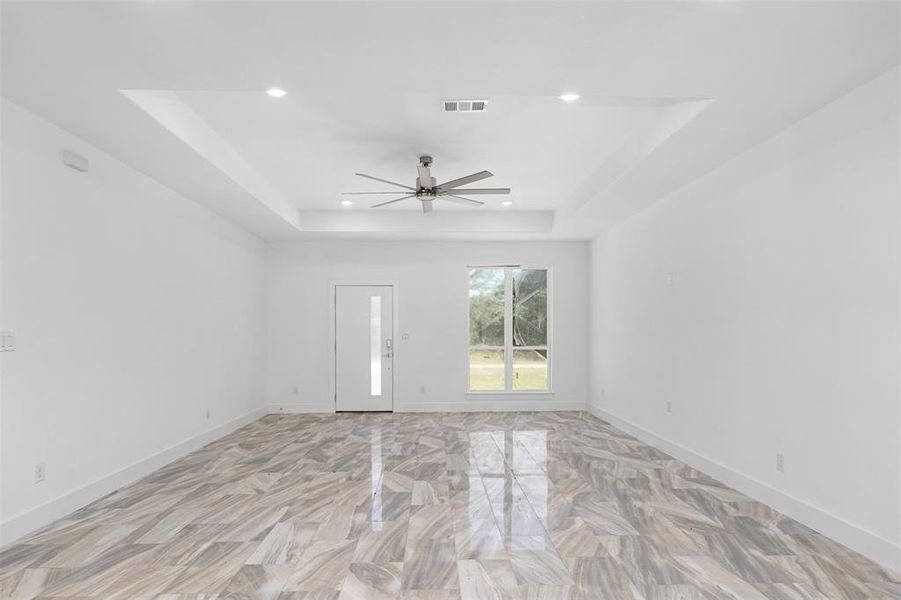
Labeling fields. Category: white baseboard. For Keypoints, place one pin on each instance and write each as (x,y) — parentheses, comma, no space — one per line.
(500,405)
(289,409)
(504,405)
(26,522)
(871,545)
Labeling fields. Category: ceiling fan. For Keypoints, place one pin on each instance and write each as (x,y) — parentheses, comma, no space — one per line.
(428,189)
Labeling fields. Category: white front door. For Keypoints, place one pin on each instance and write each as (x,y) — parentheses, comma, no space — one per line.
(364,348)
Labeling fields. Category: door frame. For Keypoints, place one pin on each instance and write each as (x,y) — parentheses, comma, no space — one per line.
(332,335)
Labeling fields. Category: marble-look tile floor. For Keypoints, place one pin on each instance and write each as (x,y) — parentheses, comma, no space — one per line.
(439,507)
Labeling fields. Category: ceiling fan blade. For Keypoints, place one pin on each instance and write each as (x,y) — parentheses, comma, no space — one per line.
(392,201)
(459,200)
(453,183)
(480,191)
(426,206)
(366,193)
(406,187)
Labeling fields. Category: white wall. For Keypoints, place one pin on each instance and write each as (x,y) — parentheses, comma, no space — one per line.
(779,331)
(433,310)
(135,310)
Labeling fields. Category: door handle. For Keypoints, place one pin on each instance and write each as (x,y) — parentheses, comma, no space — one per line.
(387,355)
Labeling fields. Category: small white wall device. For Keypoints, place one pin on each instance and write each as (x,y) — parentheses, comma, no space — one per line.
(76,161)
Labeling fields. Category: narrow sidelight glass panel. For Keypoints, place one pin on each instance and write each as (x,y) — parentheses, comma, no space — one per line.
(486,369)
(375,345)
(530,369)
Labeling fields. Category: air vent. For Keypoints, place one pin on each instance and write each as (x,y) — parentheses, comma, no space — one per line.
(465,105)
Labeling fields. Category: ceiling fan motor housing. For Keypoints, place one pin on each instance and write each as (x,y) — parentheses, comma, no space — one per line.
(425,183)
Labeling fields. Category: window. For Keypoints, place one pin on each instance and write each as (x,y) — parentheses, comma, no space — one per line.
(508,329)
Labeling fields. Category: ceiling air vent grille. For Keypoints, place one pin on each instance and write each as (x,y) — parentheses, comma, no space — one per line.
(465,105)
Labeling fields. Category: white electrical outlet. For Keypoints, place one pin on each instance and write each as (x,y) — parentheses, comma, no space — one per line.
(669,406)
(422,389)
(208,413)
(780,462)
(7,341)
(296,390)
(40,472)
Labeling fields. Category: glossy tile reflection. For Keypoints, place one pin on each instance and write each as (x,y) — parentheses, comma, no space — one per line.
(426,506)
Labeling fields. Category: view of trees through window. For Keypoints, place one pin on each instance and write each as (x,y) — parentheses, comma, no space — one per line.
(497,294)
(529,329)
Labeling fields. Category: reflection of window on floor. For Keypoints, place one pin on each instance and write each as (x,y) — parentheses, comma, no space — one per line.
(508,490)
(486,483)
(508,329)
(530,469)
(376,473)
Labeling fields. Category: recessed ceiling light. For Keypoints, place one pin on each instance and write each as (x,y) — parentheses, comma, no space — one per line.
(507,203)
(276,92)
(570,97)
(347,203)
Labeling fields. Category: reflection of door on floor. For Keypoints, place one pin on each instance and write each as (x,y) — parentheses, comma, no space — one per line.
(364,350)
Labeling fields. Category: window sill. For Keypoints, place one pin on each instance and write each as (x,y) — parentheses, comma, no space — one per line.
(511,395)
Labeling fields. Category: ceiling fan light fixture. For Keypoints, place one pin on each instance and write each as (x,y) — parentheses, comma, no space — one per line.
(347,203)
(507,203)
(569,97)
(276,92)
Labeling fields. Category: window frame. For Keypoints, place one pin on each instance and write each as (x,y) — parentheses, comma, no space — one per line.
(508,346)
